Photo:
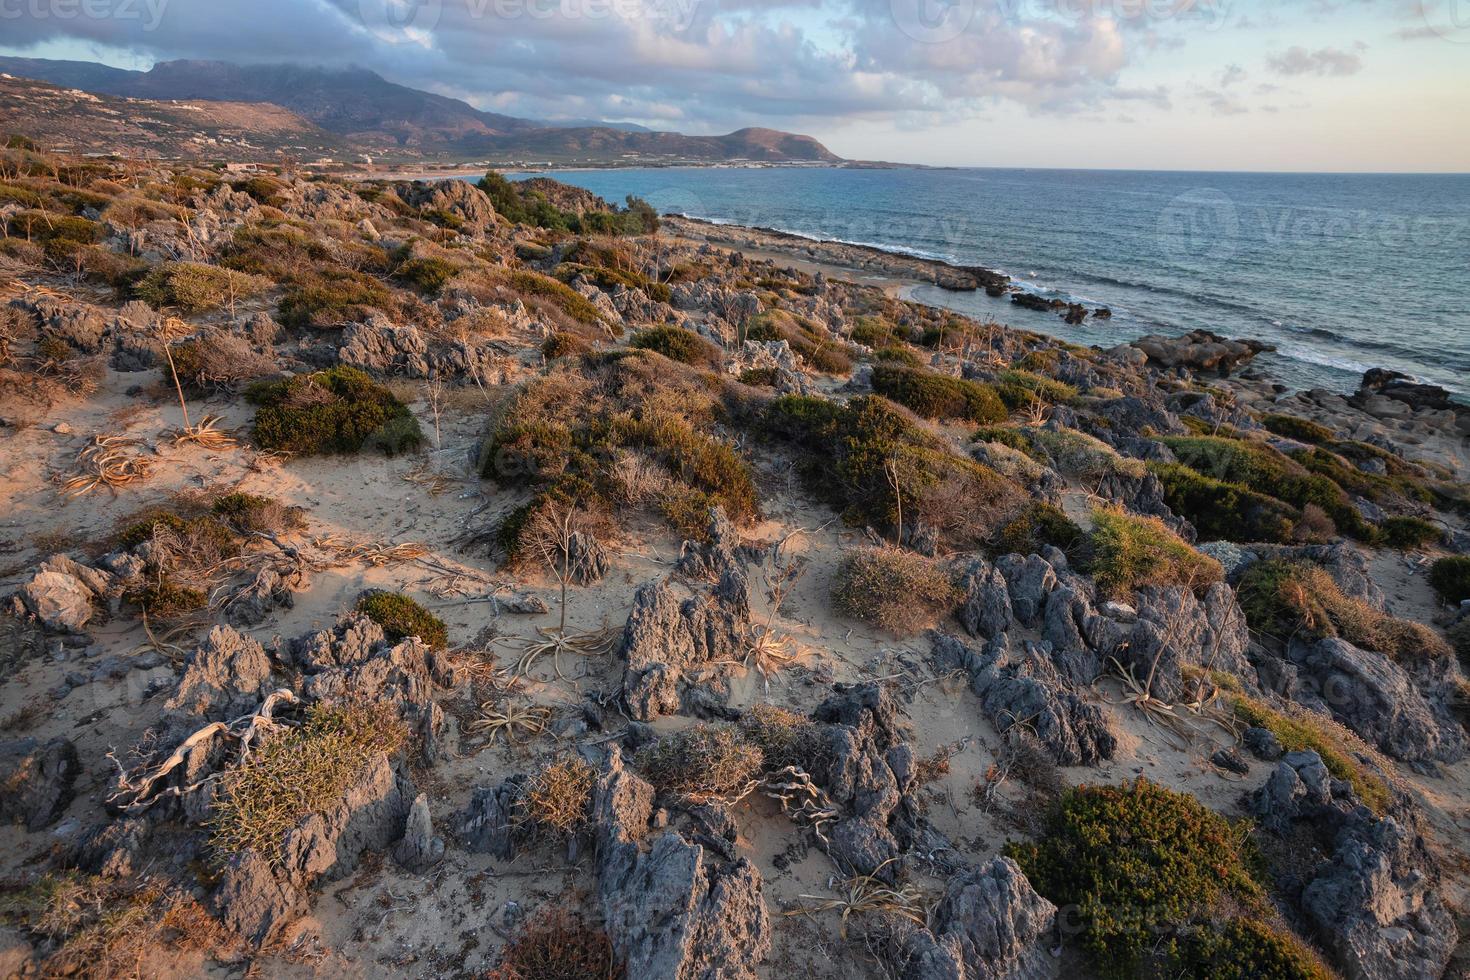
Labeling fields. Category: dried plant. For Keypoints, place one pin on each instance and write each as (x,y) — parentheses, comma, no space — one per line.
(106,462)
(516,723)
(803,802)
(554,641)
(867,894)
(558,796)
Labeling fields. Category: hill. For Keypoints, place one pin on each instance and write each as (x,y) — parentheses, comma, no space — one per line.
(394,121)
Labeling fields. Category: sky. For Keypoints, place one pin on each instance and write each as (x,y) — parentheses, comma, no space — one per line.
(1314,85)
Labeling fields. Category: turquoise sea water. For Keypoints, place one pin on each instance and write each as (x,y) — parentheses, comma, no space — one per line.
(1341,272)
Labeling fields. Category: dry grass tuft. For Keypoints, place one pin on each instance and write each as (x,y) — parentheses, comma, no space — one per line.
(558,945)
(702,763)
(297,772)
(896,590)
(558,796)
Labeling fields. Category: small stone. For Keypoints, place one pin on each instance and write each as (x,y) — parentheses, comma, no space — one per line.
(1230,759)
(1262,744)
(61,429)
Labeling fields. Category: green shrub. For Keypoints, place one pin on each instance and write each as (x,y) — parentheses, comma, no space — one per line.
(1019,389)
(339,410)
(785,738)
(428,274)
(194,287)
(1016,439)
(1126,552)
(677,344)
(561,296)
(401,618)
(249,513)
(1408,533)
(1302,430)
(44,227)
(703,763)
(23,196)
(348,296)
(1284,599)
(937,396)
(905,356)
(1041,524)
(1148,871)
(876,332)
(264,189)
(896,590)
(1224,511)
(1450,578)
(1262,469)
(606,278)
(1078,454)
(1041,361)
(760,377)
(563,344)
(858,452)
(295,772)
(1339,748)
(163,598)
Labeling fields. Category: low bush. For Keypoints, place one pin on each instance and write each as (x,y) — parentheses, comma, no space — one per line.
(1125,552)
(937,396)
(329,301)
(249,513)
(1038,526)
(402,617)
(876,332)
(870,459)
(703,763)
(216,361)
(906,356)
(608,278)
(44,226)
(426,274)
(896,590)
(195,288)
(295,772)
(678,344)
(1450,578)
(1408,533)
(339,410)
(554,944)
(1303,731)
(785,738)
(105,926)
(1079,455)
(1162,885)
(558,796)
(1021,389)
(1302,430)
(563,344)
(1284,599)
(162,598)
(1224,511)
(1260,468)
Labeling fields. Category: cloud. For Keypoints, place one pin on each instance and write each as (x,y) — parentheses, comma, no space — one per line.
(1231,75)
(1297,60)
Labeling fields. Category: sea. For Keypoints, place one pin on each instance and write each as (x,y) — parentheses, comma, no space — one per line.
(1341,272)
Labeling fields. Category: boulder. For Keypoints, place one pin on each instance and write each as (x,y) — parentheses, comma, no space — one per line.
(677,910)
(37,782)
(1378,700)
(711,558)
(1200,351)
(1028,690)
(986,609)
(60,601)
(227,676)
(1366,884)
(665,637)
(990,925)
(419,849)
(385,348)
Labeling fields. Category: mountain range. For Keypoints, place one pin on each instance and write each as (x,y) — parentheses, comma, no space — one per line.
(368,114)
